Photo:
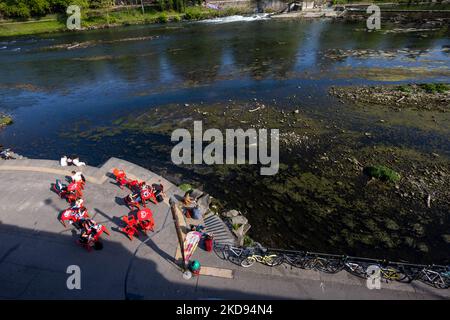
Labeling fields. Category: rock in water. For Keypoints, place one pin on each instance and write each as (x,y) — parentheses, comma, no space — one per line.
(231,213)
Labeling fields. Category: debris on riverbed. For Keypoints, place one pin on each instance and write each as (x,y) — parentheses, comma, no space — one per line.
(86,44)
(340,54)
(8,154)
(416,96)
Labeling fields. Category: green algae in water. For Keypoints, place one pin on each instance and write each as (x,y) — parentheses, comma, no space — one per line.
(5,121)
(185,187)
(383,173)
(435,87)
(427,87)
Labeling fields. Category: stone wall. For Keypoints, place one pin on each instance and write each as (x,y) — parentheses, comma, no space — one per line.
(265,5)
(271,5)
(252,5)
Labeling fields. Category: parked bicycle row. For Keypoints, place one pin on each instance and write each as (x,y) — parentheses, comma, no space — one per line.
(437,276)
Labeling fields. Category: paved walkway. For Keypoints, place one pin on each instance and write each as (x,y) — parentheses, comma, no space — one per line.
(35,250)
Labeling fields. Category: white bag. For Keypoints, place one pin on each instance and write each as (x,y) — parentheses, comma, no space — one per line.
(78,163)
(63,161)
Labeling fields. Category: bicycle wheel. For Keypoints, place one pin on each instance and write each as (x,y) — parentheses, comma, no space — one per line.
(446,283)
(333,266)
(356,269)
(221,251)
(423,277)
(324,265)
(236,255)
(410,274)
(293,260)
(303,262)
(248,262)
(441,282)
(391,274)
(405,276)
(273,260)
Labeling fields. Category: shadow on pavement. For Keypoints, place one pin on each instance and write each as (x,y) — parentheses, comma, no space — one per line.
(33,266)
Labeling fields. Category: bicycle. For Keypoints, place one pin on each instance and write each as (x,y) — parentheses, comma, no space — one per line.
(438,279)
(324,265)
(357,269)
(233,254)
(390,273)
(221,250)
(271,260)
(295,260)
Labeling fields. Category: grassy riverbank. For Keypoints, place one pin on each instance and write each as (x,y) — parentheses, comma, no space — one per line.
(119,16)
(96,19)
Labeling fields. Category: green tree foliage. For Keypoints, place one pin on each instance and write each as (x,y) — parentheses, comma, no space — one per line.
(24,9)
(162,18)
(177,5)
(162,4)
(100,3)
(61,5)
(15,8)
(180,5)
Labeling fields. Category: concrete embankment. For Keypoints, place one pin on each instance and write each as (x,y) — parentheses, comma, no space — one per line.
(36,250)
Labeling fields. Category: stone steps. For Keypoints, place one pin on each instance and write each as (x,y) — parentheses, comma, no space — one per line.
(215,225)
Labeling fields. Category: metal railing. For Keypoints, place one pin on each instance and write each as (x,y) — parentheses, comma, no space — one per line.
(434,275)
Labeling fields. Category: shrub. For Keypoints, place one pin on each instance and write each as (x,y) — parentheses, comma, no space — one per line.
(335,2)
(162,5)
(24,9)
(193,13)
(13,9)
(236,226)
(383,173)
(435,87)
(162,18)
(404,88)
(248,242)
(95,3)
(38,7)
(185,187)
(61,5)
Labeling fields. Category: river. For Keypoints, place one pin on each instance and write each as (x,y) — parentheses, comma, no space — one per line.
(62,87)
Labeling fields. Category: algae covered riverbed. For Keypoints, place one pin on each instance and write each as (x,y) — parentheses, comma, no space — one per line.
(123,92)
(320,197)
